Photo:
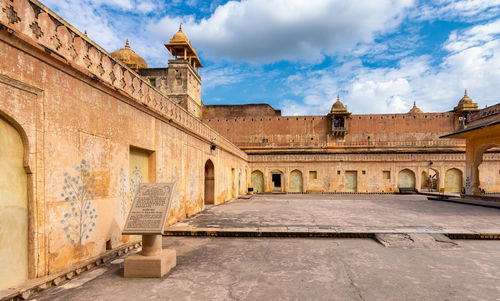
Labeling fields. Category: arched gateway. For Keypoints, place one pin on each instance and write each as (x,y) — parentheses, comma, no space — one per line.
(209,183)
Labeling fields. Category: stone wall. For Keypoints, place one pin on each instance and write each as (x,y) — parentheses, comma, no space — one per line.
(92,129)
(246,110)
(310,133)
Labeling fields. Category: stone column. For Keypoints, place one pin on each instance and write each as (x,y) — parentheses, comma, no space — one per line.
(151,244)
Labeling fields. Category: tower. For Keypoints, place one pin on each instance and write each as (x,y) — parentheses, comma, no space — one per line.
(338,116)
(183,77)
(463,108)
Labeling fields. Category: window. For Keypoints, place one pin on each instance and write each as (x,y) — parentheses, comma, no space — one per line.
(313,175)
(338,172)
(364,172)
(386,174)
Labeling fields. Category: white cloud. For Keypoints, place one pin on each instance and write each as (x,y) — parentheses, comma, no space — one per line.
(263,31)
(456,10)
(475,66)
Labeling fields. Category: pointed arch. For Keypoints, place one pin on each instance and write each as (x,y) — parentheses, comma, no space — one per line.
(13,205)
(296,181)
(209,182)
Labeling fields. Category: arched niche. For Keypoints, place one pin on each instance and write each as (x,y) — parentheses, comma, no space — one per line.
(257,180)
(406,179)
(13,206)
(296,181)
(453,180)
(209,182)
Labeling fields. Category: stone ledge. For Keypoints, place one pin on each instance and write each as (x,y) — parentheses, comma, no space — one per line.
(26,289)
(311,232)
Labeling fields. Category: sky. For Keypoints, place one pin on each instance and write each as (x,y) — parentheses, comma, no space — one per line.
(379,56)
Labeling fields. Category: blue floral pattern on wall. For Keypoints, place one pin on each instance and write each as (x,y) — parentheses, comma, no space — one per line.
(135,181)
(79,191)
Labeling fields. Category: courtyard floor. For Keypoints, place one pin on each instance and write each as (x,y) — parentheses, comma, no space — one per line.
(347,212)
(391,267)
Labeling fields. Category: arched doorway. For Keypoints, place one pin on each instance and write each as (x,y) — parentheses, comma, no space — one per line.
(295,181)
(209,183)
(430,180)
(257,178)
(453,180)
(277,181)
(406,179)
(476,187)
(13,208)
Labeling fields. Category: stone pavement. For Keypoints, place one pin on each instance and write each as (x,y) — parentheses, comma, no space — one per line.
(408,259)
(351,213)
(300,269)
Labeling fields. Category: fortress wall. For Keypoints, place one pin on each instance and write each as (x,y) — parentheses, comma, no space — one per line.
(92,130)
(384,130)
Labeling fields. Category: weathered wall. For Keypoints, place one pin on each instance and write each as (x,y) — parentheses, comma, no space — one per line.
(232,111)
(82,117)
(310,133)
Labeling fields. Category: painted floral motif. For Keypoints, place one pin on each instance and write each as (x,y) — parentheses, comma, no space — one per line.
(80,192)
(135,181)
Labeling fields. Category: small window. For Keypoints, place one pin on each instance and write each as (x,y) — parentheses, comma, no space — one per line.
(386,174)
(364,172)
(338,172)
(313,175)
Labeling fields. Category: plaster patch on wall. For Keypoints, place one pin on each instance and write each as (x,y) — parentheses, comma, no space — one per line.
(123,193)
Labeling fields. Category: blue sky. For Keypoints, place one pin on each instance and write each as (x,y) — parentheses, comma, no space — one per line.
(297,55)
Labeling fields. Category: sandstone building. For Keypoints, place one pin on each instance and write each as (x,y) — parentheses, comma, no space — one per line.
(80,128)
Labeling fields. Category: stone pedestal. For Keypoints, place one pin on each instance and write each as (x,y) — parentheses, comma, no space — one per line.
(152,262)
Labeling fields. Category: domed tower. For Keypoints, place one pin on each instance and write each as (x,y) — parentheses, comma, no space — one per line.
(463,108)
(127,56)
(338,116)
(183,79)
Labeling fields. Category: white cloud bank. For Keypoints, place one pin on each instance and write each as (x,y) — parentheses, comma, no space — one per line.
(264,31)
(473,62)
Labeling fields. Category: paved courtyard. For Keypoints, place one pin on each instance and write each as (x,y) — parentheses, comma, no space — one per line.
(349,212)
(413,266)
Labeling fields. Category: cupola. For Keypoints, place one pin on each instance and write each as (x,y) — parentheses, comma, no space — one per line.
(127,56)
(415,109)
(180,48)
(338,116)
(466,104)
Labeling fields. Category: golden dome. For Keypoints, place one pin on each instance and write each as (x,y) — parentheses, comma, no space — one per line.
(338,107)
(466,104)
(129,58)
(179,37)
(415,109)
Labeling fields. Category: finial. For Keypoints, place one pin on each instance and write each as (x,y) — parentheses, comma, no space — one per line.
(85,32)
(338,97)
(127,45)
(180,27)
(414,103)
(465,94)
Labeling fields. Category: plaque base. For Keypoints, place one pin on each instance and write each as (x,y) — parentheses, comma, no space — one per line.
(156,266)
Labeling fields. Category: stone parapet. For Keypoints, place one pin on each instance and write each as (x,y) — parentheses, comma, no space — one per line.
(42,28)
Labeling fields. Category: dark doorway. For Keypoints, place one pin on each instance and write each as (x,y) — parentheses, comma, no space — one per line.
(209,183)
(276,178)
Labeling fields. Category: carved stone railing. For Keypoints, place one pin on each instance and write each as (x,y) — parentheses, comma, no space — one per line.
(35,21)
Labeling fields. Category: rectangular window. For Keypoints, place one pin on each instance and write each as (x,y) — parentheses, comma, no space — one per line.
(386,174)
(338,172)
(313,175)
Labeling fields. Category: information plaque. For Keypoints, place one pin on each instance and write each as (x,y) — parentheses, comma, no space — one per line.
(150,209)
